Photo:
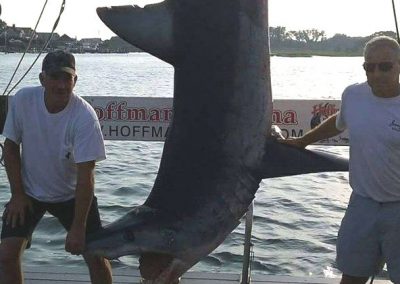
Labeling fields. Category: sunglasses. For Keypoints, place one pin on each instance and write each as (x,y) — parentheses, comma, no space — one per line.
(60,76)
(382,66)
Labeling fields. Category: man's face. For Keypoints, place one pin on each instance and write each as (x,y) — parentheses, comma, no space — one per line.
(58,86)
(383,71)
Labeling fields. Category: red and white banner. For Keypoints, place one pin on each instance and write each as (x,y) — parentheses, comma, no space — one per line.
(133,118)
(147,119)
(296,117)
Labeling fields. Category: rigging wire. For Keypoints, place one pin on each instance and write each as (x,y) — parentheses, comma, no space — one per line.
(41,51)
(395,21)
(2,155)
(31,66)
(27,48)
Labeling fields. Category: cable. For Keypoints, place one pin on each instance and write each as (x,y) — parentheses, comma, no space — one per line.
(27,48)
(2,155)
(41,51)
(395,21)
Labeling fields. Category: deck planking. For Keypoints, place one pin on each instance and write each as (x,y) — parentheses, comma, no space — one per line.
(69,275)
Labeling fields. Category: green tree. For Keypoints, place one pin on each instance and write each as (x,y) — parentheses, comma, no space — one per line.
(3,25)
(318,35)
(308,36)
(278,34)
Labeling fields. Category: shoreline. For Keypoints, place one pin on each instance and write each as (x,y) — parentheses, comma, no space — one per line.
(272,53)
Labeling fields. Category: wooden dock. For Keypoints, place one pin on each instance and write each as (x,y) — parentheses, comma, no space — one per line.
(63,275)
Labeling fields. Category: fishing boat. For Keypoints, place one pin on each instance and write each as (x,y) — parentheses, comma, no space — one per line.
(141,126)
(45,274)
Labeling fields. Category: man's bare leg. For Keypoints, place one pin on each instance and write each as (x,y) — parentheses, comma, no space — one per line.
(11,251)
(99,269)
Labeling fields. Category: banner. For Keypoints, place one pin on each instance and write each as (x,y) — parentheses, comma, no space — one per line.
(147,119)
(133,118)
(296,117)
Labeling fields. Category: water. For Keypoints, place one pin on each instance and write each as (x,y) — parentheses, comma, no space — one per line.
(296,218)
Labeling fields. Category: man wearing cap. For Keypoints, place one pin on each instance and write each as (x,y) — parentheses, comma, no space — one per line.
(61,141)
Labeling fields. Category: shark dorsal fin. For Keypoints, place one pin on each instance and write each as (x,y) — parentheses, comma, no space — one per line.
(148,28)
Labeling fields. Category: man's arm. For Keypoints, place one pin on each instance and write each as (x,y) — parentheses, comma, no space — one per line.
(75,242)
(19,202)
(325,130)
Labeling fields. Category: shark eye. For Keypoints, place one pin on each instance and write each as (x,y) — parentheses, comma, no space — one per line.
(129,235)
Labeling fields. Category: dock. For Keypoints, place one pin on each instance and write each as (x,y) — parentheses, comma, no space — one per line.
(77,275)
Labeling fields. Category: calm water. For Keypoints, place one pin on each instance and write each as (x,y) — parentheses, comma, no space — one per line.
(296,218)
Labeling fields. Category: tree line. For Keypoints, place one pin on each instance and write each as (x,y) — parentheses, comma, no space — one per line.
(298,43)
(315,42)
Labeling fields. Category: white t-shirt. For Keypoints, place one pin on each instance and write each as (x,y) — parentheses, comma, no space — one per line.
(52,143)
(374,132)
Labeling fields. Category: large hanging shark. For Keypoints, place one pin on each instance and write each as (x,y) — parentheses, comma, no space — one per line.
(219,146)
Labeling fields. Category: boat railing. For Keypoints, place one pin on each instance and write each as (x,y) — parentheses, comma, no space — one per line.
(247,247)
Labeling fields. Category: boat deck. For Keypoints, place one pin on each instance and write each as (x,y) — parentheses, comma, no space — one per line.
(62,275)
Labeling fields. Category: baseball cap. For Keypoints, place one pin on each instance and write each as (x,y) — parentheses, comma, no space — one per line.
(59,61)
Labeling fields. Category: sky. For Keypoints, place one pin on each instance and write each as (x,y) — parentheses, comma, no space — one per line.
(79,20)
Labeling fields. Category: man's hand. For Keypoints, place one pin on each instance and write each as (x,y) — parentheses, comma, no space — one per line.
(16,210)
(75,241)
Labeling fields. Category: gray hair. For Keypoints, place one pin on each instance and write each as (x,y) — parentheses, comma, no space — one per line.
(382,41)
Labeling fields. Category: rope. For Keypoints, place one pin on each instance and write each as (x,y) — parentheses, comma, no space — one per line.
(41,51)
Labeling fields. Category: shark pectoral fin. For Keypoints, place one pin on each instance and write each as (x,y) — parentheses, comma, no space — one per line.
(136,218)
(283,160)
(148,28)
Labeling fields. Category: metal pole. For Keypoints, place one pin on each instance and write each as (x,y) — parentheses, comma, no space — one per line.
(247,246)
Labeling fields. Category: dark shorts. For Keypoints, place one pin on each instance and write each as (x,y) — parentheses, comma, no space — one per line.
(63,211)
